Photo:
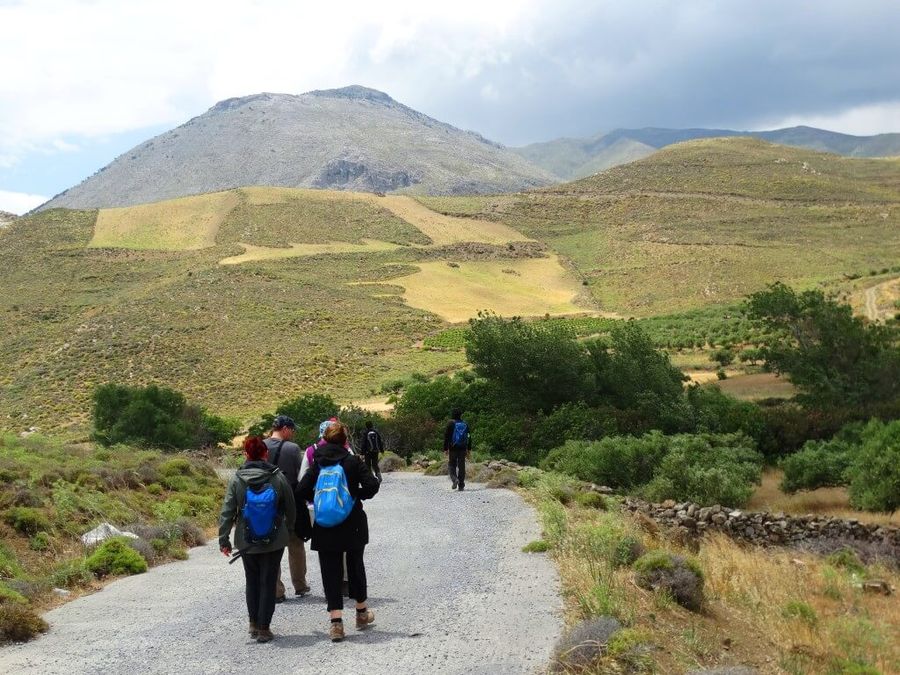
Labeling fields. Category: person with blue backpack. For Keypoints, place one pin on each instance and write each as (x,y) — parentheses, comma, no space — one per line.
(336,484)
(457,447)
(259,505)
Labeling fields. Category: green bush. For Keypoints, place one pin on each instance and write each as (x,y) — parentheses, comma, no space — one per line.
(818,464)
(39,542)
(620,462)
(536,546)
(71,574)
(591,500)
(19,623)
(154,416)
(707,469)
(847,559)
(9,566)
(797,609)
(26,520)
(7,595)
(307,411)
(874,471)
(115,557)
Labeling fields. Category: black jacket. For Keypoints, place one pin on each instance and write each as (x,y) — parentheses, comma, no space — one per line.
(353,533)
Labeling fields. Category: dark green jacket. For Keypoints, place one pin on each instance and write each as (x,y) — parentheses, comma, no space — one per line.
(256,474)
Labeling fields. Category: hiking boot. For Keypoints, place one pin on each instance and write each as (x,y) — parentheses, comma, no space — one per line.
(253,630)
(364,619)
(462,487)
(336,633)
(454,485)
(279,599)
(302,591)
(265,635)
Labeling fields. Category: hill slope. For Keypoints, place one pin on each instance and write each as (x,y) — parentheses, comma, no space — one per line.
(352,138)
(709,221)
(570,158)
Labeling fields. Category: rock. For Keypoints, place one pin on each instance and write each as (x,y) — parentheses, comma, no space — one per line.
(390,463)
(719,518)
(668,504)
(62,592)
(877,586)
(103,532)
(704,514)
(688,522)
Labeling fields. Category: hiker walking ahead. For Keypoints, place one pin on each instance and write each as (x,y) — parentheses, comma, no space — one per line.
(287,456)
(259,505)
(457,446)
(336,483)
(372,447)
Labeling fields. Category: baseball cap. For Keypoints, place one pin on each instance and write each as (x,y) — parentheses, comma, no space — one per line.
(282,421)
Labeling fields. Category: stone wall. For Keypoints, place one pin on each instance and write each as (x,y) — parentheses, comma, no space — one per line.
(768,529)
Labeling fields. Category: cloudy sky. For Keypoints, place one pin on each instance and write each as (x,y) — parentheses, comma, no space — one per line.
(81,81)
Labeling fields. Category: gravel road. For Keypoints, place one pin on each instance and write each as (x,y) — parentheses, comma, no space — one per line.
(451,589)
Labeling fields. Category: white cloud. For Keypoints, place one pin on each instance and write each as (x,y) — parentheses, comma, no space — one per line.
(19,202)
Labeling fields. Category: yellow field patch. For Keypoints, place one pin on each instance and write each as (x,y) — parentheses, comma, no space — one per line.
(252,253)
(531,287)
(184,224)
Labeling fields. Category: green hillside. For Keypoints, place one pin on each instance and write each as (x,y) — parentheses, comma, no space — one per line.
(334,291)
(708,221)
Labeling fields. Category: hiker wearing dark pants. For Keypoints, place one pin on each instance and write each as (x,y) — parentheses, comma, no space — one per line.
(287,456)
(348,536)
(260,530)
(457,447)
(372,447)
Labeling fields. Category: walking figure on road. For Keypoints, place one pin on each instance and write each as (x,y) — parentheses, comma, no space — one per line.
(287,456)
(457,447)
(336,483)
(259,504)
(372,447)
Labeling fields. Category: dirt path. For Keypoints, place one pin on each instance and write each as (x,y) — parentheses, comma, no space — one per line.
(452,591)
(872,303)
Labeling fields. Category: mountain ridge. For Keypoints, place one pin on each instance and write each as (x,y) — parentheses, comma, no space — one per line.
(594,151)
(352,138)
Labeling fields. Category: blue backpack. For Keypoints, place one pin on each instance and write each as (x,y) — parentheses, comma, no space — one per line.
(332,500)
(260,515)
(460,435)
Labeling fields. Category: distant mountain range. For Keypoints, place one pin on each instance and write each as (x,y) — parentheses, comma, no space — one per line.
(571,158)
(352,138)
(357,138)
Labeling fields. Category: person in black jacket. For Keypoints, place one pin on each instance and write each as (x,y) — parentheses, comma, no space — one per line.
(372,447)
(457,447)
(349,537)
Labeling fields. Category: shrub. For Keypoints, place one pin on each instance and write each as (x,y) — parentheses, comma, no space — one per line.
(584,644)
(9,566)
(115,557)
(618,461)
(708,470)
(718,413)
(874,471)
(681,577)
(8,594)
(797,609)
(818,464)
(39,542)
(19,623)
(71,574)
(591,500)
(847,559)
(27,520)
(536,546)
(143,548)
(307,411)
(154,416)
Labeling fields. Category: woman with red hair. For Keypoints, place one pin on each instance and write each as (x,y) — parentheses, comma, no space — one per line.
(259,504)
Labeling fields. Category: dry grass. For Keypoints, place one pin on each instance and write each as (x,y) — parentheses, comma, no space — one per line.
(836,621)
(185,224)
(824,501)
(530,287)
(252,253)
(776,610)
(756,386)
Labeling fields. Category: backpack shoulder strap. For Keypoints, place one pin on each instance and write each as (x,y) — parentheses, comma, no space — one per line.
(277,455)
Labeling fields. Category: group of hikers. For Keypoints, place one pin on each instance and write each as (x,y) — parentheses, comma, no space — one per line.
(283,496)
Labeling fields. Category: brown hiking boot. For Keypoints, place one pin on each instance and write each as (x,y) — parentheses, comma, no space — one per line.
(363,619)
(265,635)
(337,631)
(254,630)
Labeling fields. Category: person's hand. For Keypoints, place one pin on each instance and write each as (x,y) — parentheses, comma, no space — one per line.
(226,550)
